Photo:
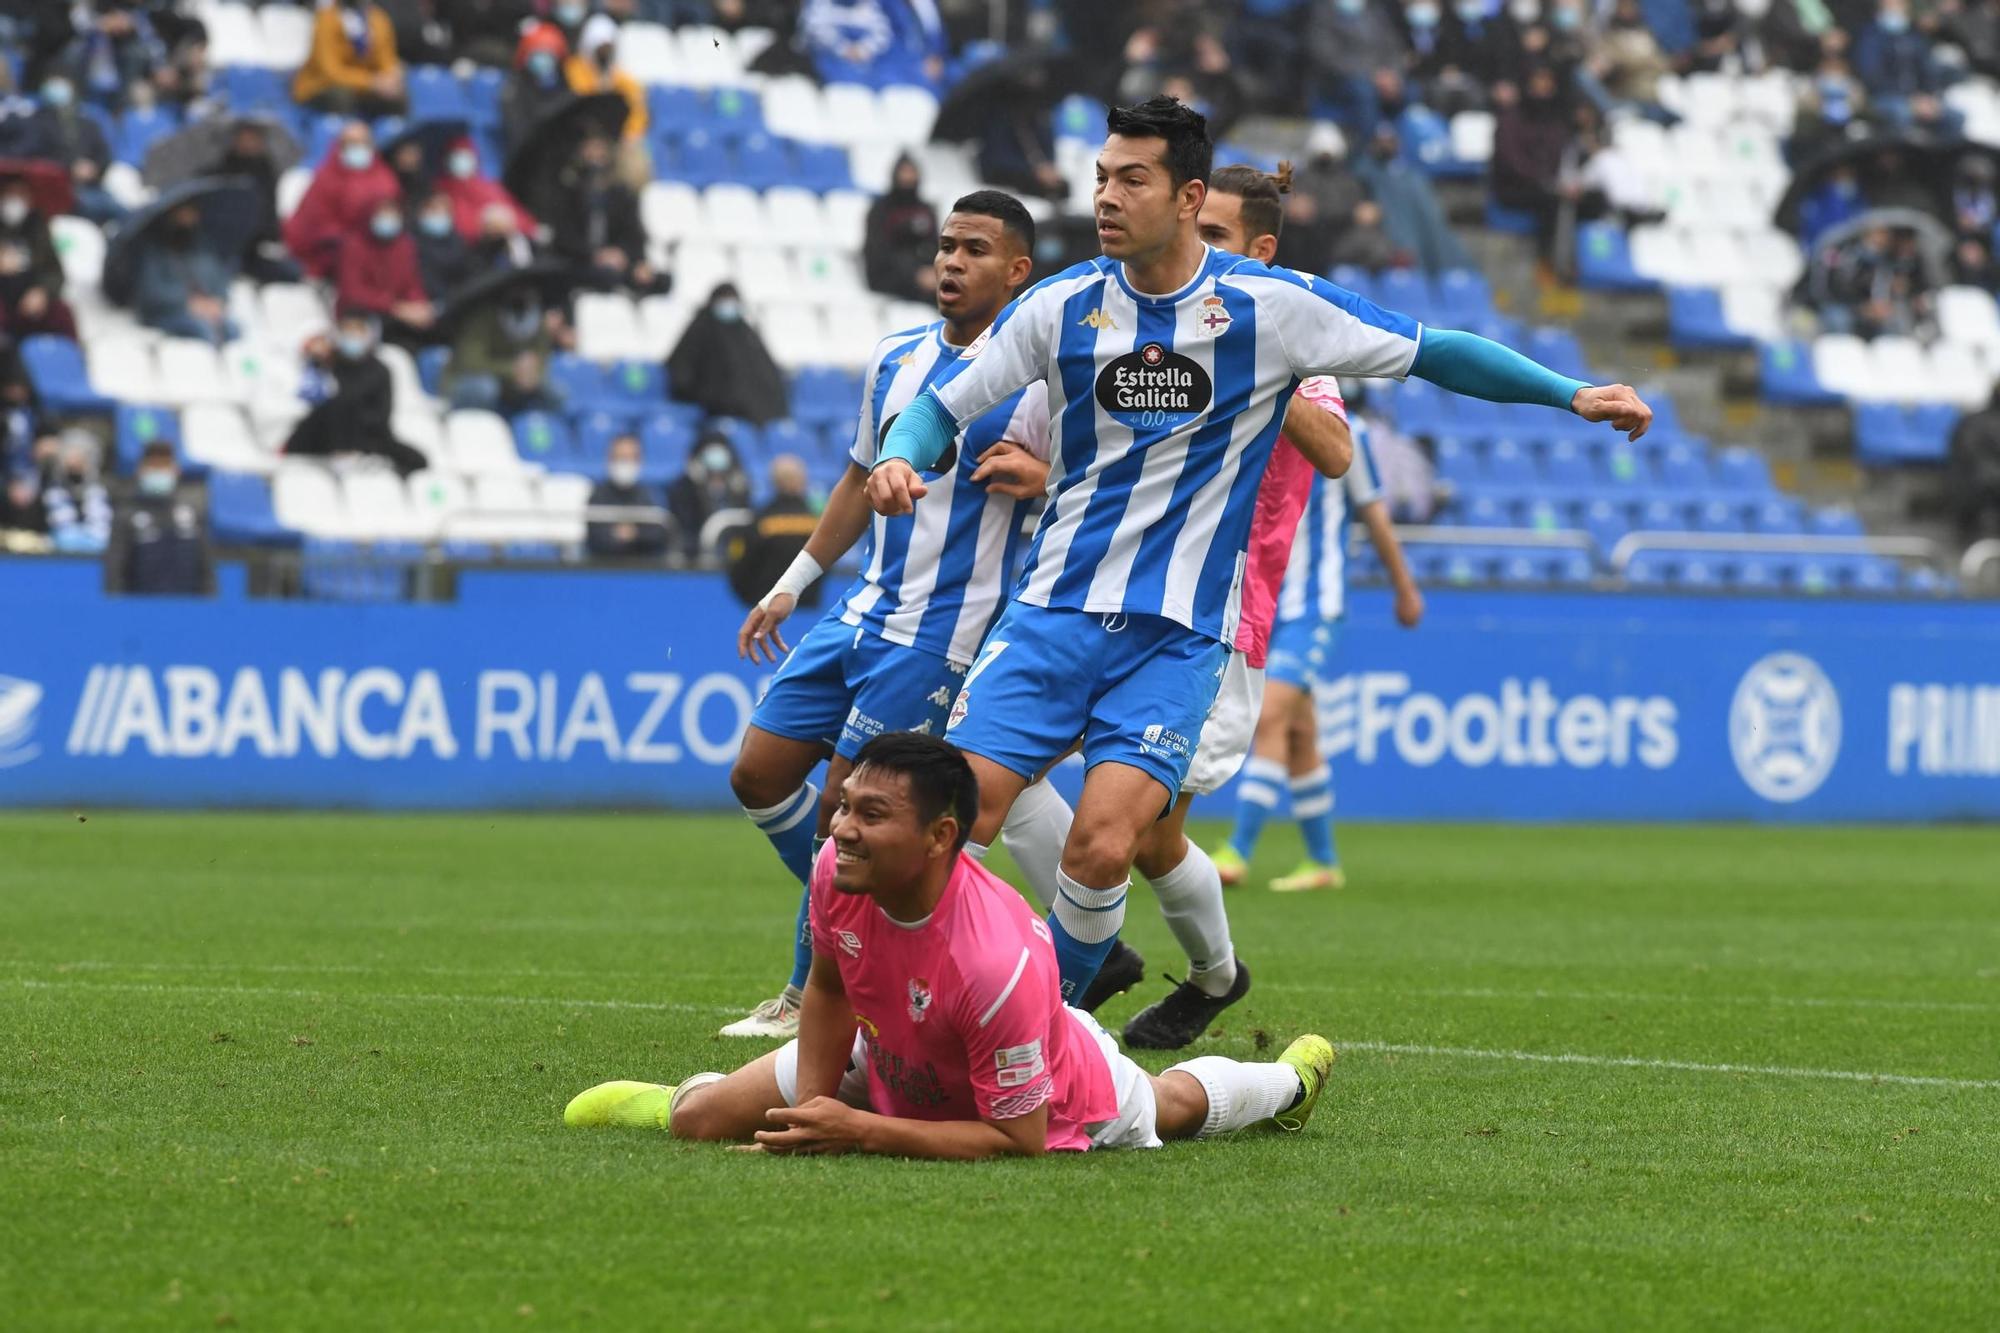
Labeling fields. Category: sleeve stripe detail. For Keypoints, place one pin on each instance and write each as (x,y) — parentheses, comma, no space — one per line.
(1013,981)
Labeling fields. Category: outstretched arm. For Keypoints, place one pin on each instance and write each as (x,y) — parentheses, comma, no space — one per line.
(1481,368)
(919,437)
(828,1125)
(840,525)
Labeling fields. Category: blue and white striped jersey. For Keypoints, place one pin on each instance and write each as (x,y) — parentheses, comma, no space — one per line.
(936,579)
(1163,411)
(1316,575)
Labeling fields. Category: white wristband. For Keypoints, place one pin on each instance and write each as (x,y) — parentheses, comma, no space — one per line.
(798,576)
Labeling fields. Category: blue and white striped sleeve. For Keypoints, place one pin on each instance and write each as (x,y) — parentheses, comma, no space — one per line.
(1328,330)
(868,428)
(1012,354)
(1364,479)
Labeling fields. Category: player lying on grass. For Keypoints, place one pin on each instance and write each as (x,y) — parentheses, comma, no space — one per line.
(1168,366)
(933,1023)
(889,655)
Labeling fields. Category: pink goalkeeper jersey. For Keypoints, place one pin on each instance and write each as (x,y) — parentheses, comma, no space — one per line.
(1281,499)
(963,1015)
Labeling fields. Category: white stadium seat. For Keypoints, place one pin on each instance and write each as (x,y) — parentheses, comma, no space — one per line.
(123,182)
(1841,362)
(287,31)
(825,273)
(1756,311)
(478,443)
(909,111)
(846,217)
(1717,257)
(872,165)
(853,114)
(1472,136)
(378,506)
(1968,315)
(1955,374)
(305,496)
(607,326)
(662,320)
(794,108)
(406,384)
(700,267)
(647,50)
(794,216)
(123,368)
(260,373)
(191,372)
(734,215)
(292,187)
(235,37)
(218,434)
(563,499)
(421,429)
(1774,257)
(1660,253)
(1899,368)
(765,274)
(793,334)
(670,210)
(503,509)
(80,247)
(435,497)
(294,312)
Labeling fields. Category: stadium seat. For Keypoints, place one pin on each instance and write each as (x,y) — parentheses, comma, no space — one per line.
(580,382)
(307,499)
(1835,521)
(1682,468)
(436,95)
(136,425)
(124,367)
(542,437)
(379,509)
(189,371)
(80,249)
(287,32)
(478,443)
(1780,516)
(607,327)
(240,512)
(1752,572)
(1786,370)
(1604,260)
(634,386)
(434,499)
(1742,470)
(1695,320)
(662,320)
(218,436)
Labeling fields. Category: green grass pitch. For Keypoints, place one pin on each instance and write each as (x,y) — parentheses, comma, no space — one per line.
(307,1072)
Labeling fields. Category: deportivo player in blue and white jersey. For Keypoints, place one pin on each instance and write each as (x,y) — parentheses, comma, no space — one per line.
(889,655)
(1168,367)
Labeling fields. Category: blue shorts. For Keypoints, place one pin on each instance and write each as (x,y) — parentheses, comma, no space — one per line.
(1300,650)
(1135,688)
(843,685)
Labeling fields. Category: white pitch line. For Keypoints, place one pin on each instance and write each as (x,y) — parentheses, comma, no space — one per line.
(363,997)
(1688,1066)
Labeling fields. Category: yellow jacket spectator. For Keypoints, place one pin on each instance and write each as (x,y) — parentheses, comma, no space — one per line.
(352,68)
(593,70)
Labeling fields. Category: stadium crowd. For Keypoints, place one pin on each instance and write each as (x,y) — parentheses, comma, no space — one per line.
(438,195)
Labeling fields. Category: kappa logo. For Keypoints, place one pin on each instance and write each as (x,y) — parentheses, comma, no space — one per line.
(1212,318)
(920,999)
(906,358)
(1784,727)
(1098,320)
(20,707)
(939,697)
(922,728)
(850,943)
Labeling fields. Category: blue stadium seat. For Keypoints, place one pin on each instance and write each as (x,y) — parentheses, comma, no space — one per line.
(1743,470)
(1780,516)
(1559,350)
(542,437)
(240,512)
(673,109)
(1694,320)
(1930,426)
(1718,513)
(468,552)
(1543,513)
(1464,298)
(737,109)
(749,440)
(1835,522)
(137,425)
(1785,372)
(1485,509)
(821,394)
(1928,582)
(823,167)
(1572,569)
(1521,569)
(435,95)
(1650,569)
(1507,464)
(703,159)
(633,386)
(1623,466)
(482,103)
(1403,290)
(1354,278)
(1080,117)
(56,368)
(1873,574)
(1456,461)
(786,436)
(140,130)
(666,441)
(532,553)
(1421,408)
(1682,467)
(1811,575)
(580,382)
(1566,464)
(1604,260)
(255,88)
(1698,571)
(762,162)
(1661,515)
(431,362)
(1753,572)
(1606,521)
(1509,221)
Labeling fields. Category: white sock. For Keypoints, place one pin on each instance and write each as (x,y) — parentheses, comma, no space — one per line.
(1240,1095)
(976,850)
(1091,916)
(1191,900)
(1035,831)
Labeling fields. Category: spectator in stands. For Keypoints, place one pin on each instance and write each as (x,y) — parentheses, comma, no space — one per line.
(1897,66)
(714,481)
(900,239)
(22,512)
(1017,142)
(1611,179)
(1972,472)
(1412,217)
(1973,208)
(345,192)
(249,159)
(1832,203)
(536,86)
(1180,51)
(180,284)
(1528,146)
(352,68)
(423,31)
(875,41)
(31,275)
(59,132)
(1973,265)
(1974,25)
(775,535)
(444,260)
(1625,58)
(1265,38)
(722,366)
(22,444)
(626,537)
(116,52)
(595,69)
(596,224)
(1321,206)
(486,32)
(355,418)
(1357,58)
(79,508)
(474,195)
(379,277)
(500,356)
(500,244)
(159,535)
(1363,244)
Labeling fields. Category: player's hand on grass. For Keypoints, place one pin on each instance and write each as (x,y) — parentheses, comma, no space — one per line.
(894,488)
(1618,404)
(1008,469)
(822,1126)
(1409,608)
(760,629)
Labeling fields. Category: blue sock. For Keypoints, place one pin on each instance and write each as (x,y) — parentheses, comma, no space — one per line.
(1312,806)
(792,825)
(1256,798)
(1083,925)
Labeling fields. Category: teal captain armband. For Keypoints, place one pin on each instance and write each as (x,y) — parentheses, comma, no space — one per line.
(919,435)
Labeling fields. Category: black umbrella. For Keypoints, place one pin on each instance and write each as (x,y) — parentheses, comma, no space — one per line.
(228,206)
(548,278)
(1927,163)
(198,149)
(433,138)
(1026,78)
(551,140)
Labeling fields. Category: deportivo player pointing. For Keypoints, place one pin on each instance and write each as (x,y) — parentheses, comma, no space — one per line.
(1168,366)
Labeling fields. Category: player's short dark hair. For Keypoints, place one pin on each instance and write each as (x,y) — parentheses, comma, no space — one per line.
(1263,195)
(1189,154)
(1014,216)
(941,782)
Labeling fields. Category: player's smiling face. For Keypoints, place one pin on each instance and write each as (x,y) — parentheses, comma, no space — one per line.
(881,842)
(979,265)
(1139,210)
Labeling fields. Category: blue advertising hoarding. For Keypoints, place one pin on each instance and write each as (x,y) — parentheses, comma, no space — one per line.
(616,689)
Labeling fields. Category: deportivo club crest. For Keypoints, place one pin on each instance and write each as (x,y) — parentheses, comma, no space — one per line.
(1213,318)
(920,999)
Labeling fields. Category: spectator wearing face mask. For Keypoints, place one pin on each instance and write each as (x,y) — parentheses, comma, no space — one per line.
(352,68)
(1358,57)
(1832,203)
(159,535)
(1625,58)
(626,536)
(595,223)
(444,260)
(500,357)
(1529,141)
(776,534)
(58,132)
(180,285)
(346,192)
(595,69)
(474,195)
(355,418)
(379,276)
(900,238)
(79,508)
(714,481)
(1897,65)
(115,53)
(722,366)
(249,159)
(31,274)
(1412,218)
(536,86)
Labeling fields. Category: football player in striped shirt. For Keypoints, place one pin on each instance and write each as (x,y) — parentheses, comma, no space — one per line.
(1167,368)
(889,655)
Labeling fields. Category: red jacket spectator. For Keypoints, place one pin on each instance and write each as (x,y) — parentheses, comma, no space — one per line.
(379,275)
(343,195)
(471,193)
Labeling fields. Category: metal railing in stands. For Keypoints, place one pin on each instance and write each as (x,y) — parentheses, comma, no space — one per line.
(1739,543)
(1972,565)
(1555,539)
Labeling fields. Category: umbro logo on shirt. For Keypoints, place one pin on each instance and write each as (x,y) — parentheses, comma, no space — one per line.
(1097,319)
